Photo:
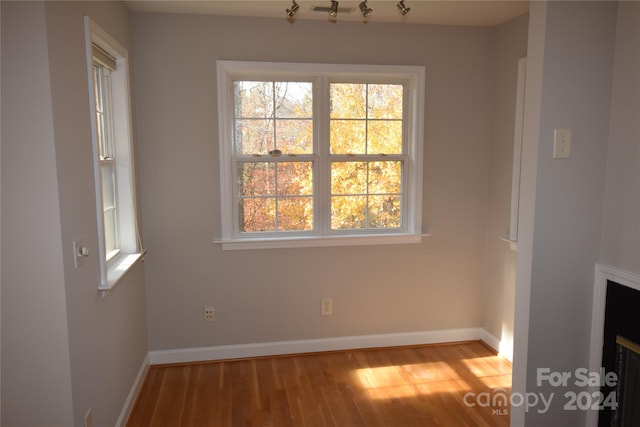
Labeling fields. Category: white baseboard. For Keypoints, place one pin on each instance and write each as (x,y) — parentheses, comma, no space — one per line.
(185,355)
(490,340)
(133,393)
(503,347)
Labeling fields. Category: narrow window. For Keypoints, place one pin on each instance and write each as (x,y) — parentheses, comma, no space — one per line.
(119,245)
(103,65)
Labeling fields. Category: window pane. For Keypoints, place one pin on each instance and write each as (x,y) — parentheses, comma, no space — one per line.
(385,177)
(110,230)
(256,128)
(366,194)
(348,178)
(97,92)
(348,212)
(384,137)
(384,211)
(253,99)
(257,214)
(100,134)
(274,179)
(348,136)
(97,86)
(254,136)
(108,186)
(256,178)
(384,101)
(102,109)
(294,100)
(348,100)
(295,213)
(295,136)
(295,178)
(104,112)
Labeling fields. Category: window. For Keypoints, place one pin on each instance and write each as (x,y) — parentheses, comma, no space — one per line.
(106,154)
(367,155)
(517,156)
(319,154)
(119,246)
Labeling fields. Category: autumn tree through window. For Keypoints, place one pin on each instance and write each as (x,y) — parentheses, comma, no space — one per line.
(366,127)
(311,152)
(273,119)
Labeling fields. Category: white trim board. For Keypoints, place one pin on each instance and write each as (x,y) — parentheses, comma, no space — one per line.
(603,274)
(504,348)
(133,393)
(198,354)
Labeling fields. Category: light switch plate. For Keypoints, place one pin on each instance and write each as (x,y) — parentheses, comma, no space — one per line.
(78,257)
(562,143)
(326,306)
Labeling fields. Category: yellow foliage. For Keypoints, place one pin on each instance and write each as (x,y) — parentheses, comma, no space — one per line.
(365,120)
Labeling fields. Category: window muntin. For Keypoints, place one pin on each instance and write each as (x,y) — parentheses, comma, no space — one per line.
(360,153)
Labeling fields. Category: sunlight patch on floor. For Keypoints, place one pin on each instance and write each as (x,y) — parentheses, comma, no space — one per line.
(488,371)
(402,381)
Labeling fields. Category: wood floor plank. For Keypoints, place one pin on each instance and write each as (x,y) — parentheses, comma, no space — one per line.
(171,397)
(147,397)
(404,386)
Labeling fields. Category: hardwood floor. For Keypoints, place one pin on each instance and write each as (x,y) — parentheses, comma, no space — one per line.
(400,386)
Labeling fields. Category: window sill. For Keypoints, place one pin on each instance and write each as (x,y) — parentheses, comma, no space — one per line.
(319,241)
(118,269)
(513,244)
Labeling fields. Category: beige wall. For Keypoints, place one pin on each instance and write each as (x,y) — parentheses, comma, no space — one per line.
(621,225)
(107,336)
(500,260)
(569,75)
(36,383)
(263,296)
(64,348)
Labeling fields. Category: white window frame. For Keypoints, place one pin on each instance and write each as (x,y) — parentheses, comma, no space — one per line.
(106,149)
(413,79)
(517,156)
(114,265)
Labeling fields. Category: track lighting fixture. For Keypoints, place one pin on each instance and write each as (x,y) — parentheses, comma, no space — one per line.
(293,10)
(366,12)
(333,10)
(403,9)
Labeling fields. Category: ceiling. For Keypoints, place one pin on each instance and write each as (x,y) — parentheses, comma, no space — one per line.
(442,12)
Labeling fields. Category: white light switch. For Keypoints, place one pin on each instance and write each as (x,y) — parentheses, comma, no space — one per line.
(562,143)
(80,251)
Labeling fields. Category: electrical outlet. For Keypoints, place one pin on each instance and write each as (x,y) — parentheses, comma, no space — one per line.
(209,314)
(88,418)
(326,306)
